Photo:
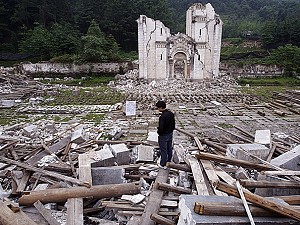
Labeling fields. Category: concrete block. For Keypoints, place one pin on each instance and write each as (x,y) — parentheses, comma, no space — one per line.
(7,103)
(144,153)
(152,138)
(108,175)
(179,154)
(189,217)
(263,137)
(79,136)
(30,130)
(288,160)
(241,173)
(236,151)
(103,158)
(268,192)
(121,153)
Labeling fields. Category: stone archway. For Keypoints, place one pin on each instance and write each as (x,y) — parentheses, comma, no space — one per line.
(180,66)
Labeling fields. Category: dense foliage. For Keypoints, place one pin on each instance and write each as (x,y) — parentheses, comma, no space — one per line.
(61,29)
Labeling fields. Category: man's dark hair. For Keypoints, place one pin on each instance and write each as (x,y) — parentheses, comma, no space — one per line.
(161,104)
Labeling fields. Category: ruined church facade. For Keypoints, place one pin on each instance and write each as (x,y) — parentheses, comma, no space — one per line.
(192,56)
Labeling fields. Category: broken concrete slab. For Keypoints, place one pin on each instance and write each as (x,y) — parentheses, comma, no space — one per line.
(103,157)
(263,137)
(189,217)
(144,153)
(108,175)
(237,151)
(289,160)
(121,153)
(30,130)
(152,138)
(79,136)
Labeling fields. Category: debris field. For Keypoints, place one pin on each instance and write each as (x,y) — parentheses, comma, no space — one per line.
(236,157)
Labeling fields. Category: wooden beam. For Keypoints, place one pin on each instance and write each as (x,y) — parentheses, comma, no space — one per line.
(290,199)
(271,152)
(282,173)
(235,209)
(240,190)
(225,176)
(236,135)
(181,167)
(155,198)
(169,187)
(46,213)
(282,209)
(161,220)
(269,184)
(199,179)
(84,168)
(213,145)
(62,194)
(75,211)
(232,161)
(24,180)
(11,215)
(211,175)
(48,173)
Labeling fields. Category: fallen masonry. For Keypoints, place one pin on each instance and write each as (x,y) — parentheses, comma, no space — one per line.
(225,143)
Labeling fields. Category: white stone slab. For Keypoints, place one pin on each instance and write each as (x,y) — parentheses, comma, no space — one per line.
(263,137)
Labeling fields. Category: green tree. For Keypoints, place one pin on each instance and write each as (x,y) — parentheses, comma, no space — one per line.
(287,56)
(37,41)
(65,39)
(96,47)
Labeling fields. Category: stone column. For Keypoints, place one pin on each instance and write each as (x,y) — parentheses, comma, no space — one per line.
(171,69)
(188,71)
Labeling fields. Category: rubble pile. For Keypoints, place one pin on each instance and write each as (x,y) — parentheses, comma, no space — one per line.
(15,87)
(231,152)
(179,91)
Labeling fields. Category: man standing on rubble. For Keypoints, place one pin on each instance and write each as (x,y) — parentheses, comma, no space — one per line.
(165,130)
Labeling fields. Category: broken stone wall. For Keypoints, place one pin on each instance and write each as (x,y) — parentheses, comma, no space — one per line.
(251,70)
(48,68)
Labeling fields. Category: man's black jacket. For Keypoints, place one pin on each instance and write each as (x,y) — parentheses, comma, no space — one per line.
(166,123)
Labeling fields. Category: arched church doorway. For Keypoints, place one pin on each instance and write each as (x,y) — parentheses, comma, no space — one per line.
(180,66)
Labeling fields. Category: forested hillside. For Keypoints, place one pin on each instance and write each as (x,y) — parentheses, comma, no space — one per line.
(30,25)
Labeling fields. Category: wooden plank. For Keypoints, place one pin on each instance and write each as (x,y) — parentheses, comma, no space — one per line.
(169,187)
(285,210)
(200,146)
(236,135)
(62,194)
(84,164)
(271,152)
(155,198)
(282,173)
(48,173)
(225,176)
(161,220)
(201,186)
(269,184)
(233,209)
(211,175)
(126,207)
(23,182)
(13,215)
(239,188)
(74,211)
(46,213)
(232,161)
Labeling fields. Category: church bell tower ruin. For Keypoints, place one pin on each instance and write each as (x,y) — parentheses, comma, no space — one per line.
(192,56)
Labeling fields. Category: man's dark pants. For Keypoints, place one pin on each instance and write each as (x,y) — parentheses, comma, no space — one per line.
(165,147)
